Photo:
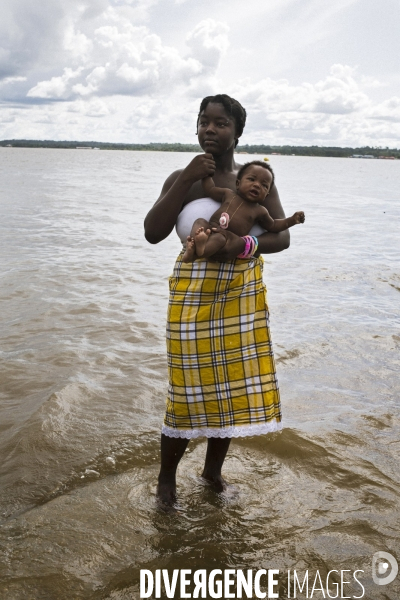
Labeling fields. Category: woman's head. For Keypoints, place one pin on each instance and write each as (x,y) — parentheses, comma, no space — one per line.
(232,108)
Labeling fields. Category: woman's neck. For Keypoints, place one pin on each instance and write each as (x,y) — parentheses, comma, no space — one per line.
(226,162)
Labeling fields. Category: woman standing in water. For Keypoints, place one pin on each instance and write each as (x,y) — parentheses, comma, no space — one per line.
(222,381)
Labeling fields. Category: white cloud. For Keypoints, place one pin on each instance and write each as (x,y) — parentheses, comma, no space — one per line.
(55,88)
(208,41)
(334,111)
(125,59)
(76,43)
(135,70)
(10,80)
(44,35)
(389,110)
(92,108)
(338,93)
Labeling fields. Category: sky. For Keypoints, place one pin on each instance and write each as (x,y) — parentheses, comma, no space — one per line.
(308,72)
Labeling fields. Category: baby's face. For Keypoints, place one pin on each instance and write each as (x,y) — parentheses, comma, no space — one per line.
(255,184)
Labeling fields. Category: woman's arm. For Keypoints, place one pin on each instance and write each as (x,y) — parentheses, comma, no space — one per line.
(161,219)
(268,243)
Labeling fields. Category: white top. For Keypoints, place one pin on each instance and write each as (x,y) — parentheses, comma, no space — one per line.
(202,208)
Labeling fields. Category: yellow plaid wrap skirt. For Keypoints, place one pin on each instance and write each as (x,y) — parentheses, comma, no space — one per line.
(222,380)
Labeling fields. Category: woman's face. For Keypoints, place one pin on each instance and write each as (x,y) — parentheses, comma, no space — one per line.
(216,130)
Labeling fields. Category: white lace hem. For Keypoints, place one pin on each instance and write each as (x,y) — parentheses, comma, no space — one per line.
(226,432)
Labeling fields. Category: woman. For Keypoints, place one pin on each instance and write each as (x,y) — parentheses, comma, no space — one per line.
(221,367)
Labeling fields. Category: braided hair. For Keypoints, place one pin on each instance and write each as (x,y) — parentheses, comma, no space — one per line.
(257,163)
(232,107)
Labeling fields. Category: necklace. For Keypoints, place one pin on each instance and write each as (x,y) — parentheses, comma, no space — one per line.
(225,218)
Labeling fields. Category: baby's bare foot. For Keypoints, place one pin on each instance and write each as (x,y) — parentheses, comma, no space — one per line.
(200,237)
(190,251)
(299,217)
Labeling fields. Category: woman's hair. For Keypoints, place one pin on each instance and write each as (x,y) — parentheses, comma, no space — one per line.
(232,107)
(257,163)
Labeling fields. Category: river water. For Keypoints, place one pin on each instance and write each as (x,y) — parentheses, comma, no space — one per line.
(83,383)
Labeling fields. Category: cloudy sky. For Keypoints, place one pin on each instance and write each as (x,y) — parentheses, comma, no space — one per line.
(308,71)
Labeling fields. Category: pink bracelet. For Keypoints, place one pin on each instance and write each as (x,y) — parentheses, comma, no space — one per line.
(251,246)
(246,252)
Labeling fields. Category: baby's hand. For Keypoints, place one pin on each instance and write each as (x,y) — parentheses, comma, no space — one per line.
(299,217)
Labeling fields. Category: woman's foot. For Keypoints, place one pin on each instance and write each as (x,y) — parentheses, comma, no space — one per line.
(200,237)
(166,491)
(190,251)
(217,481)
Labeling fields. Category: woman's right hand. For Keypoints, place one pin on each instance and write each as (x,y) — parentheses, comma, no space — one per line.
(201,166)
(161,219)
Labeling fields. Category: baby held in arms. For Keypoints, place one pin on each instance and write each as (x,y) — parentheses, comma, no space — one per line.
(238,213)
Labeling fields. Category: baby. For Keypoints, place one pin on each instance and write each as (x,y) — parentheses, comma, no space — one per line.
(237,213)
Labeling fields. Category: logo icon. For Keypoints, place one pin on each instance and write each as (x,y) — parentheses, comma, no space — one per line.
(384,568)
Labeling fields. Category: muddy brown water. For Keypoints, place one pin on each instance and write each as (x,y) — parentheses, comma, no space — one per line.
(83,381)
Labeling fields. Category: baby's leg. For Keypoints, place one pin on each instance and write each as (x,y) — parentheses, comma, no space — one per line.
(215,242)
(197,240)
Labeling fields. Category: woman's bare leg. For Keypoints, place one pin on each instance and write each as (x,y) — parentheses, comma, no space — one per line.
(216,452)
(172,450)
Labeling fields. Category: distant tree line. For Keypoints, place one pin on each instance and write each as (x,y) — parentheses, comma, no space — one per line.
(249,148)
(101,145)
(318,150)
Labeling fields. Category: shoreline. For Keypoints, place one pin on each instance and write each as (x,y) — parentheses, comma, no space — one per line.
(365,152)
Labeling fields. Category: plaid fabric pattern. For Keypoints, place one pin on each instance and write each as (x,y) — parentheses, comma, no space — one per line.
(220,360)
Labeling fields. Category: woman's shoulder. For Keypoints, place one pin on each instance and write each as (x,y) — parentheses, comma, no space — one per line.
(173,177)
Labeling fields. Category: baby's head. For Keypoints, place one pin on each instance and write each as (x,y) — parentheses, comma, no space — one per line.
(254,181)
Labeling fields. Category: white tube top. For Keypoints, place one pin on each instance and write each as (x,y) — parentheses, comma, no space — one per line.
(202,208)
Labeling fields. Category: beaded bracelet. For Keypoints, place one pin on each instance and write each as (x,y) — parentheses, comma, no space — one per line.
(256,243)
(251,245)
(245,252)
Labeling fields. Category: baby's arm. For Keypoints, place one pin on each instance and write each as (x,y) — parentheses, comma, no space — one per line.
(278,225)
(212,191)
